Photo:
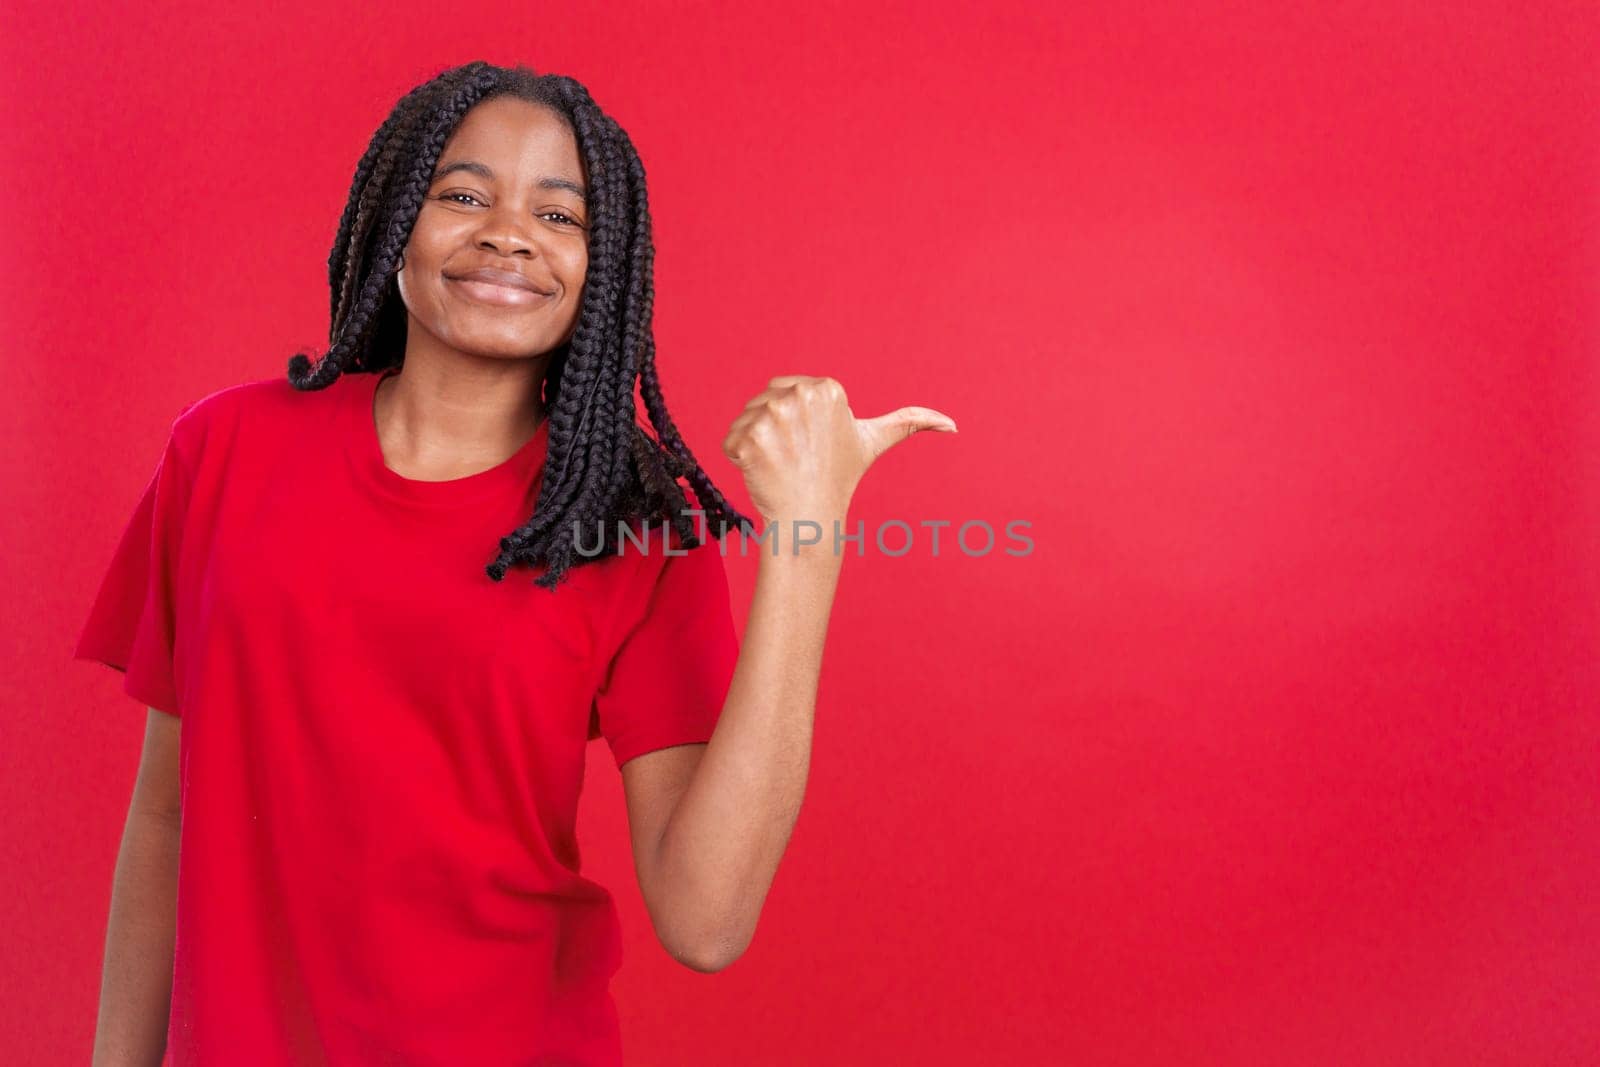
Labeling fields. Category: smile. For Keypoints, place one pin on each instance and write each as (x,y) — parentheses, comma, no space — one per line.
(499,295)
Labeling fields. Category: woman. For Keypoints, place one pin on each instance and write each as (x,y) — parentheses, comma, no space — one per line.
(381,751)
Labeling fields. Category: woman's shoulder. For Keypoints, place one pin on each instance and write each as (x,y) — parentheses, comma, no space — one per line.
(253,402)
(230,401)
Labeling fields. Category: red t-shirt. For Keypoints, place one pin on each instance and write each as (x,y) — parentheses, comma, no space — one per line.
(382,748)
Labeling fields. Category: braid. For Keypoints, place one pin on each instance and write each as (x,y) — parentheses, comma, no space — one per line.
(356,223)
(601,467)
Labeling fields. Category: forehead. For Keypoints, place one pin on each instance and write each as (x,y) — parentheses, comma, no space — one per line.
(512,136)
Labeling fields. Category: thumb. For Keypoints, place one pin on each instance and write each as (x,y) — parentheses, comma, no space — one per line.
(886,431)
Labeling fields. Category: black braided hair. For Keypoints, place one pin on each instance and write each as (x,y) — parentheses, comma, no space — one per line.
(601,466)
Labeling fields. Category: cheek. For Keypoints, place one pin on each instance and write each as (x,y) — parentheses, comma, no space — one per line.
(419,278)
(423,252)
(414,293)
(430,243)
(577,269)
(577,279)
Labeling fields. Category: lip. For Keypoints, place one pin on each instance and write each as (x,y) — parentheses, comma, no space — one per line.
(509,279)
(499,288)
(498,295)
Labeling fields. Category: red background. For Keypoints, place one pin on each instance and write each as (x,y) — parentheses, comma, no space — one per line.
(1280,328)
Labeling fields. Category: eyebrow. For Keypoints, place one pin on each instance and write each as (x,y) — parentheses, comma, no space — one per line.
(472,166)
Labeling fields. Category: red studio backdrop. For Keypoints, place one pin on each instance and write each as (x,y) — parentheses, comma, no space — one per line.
(1278,326)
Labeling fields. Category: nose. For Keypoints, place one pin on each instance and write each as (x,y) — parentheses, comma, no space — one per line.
(505,230)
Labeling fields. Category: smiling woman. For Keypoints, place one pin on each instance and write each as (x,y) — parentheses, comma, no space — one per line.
(378,806)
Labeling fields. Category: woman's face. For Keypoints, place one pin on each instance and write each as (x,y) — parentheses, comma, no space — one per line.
(507,195)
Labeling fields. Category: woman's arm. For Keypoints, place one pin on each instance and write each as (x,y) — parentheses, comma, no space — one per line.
(723,842)
(136,984)
(801,452)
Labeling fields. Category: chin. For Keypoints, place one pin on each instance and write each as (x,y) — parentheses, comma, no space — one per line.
(506,350)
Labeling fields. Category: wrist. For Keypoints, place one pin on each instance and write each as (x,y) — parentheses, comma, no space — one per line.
(805,534)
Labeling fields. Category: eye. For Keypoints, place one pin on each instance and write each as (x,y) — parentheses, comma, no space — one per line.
(566,219)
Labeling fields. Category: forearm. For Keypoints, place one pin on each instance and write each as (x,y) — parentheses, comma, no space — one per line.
(727,834)
(136,984)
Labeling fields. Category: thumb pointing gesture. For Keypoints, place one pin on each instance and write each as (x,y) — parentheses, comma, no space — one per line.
(802,451)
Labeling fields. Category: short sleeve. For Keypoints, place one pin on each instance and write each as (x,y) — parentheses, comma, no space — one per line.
(667,679)
(132,621)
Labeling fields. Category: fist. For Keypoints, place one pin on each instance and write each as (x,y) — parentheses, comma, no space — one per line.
(802,451)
